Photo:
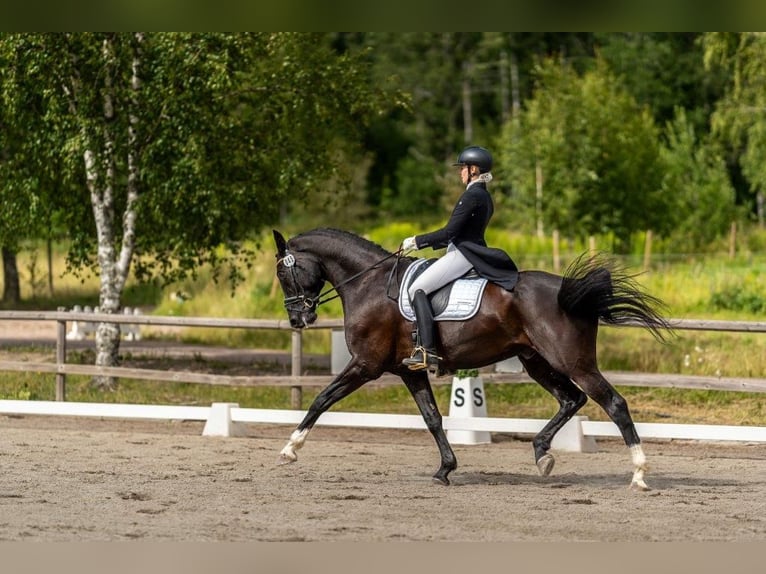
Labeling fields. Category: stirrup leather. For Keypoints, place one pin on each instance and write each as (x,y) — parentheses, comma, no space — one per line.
(420,359)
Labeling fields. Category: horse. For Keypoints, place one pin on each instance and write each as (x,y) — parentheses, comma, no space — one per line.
(549,322)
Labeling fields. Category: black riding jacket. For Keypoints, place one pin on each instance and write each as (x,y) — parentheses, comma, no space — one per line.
(465,229)
(468,221)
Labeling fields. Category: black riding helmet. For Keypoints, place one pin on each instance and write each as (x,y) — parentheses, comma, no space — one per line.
(475,155)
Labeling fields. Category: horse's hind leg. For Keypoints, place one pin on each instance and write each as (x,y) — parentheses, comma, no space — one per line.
(570,398)
(346,382)
(418,385)
(601,391)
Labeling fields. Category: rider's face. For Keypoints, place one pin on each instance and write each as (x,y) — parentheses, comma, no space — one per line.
(464,174)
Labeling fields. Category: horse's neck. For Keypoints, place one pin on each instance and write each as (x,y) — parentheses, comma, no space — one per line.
(342,267)
(339,262)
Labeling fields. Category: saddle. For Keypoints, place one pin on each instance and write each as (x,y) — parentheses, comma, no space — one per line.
(456,301)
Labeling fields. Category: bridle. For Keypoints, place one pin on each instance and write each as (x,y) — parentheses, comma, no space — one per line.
(301,303)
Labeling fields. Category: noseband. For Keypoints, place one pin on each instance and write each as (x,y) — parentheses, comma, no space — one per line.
(297,303)
(300,303)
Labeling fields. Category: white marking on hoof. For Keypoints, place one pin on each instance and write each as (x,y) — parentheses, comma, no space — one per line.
(639,458)
(639,461)
(639,485)
(545,464)
(296,441)
(286,459)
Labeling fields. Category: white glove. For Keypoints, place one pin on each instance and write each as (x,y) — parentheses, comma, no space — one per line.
(409,244)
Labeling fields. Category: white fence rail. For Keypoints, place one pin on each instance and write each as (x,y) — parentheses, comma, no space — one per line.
(225,421)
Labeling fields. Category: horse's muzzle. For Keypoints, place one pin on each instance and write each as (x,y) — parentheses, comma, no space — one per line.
(302,319)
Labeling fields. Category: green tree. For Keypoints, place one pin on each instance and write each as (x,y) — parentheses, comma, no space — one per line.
(664,71)
(701,195)
(183,143)
(739,119)
(583,156)
(462,85)
(31,180)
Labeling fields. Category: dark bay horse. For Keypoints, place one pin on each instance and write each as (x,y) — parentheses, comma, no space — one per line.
(550,322)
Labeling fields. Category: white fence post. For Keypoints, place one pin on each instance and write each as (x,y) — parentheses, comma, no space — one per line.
(571,438)
(219,421)
(339,353)
(75,333)
(131,331)
(512,365)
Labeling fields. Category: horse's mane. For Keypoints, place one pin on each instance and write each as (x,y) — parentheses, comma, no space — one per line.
(346,239)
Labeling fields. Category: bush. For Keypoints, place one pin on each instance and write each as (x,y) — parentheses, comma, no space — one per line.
(739,298)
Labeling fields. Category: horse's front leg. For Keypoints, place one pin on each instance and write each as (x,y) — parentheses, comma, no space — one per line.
(418,384)
(344,384)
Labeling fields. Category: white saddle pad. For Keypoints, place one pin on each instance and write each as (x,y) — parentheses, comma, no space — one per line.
(464,298)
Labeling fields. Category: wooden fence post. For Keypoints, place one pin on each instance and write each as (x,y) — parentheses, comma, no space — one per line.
(61,357)
(648,249)
(539,199)
(591,245)
(733,240)
(556,253)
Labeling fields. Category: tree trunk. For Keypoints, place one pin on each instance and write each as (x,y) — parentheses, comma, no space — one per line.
(467,104)
(49,253)
(103,179)
(11,285)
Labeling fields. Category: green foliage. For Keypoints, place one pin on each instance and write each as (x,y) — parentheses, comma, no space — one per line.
(418,192)
(739,297)
(755,240)
(737,119)
(19,391)
(236,131)
(664,71)
(216,132)
(570,167)
(697,187)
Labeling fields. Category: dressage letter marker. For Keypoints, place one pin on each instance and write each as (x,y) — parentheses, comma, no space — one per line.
(467,400)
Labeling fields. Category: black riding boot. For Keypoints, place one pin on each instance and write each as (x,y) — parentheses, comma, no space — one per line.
(424,356)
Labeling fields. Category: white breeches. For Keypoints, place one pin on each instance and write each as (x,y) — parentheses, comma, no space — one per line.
(447,268)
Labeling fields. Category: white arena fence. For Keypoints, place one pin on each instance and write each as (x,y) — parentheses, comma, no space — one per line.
(226,419)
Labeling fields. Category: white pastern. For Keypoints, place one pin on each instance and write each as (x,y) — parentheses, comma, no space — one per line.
(639,461)
(296,441)
(639,458)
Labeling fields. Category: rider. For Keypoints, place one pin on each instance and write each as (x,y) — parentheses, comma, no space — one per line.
(463,236)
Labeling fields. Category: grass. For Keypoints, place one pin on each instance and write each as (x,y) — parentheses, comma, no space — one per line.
(712,287)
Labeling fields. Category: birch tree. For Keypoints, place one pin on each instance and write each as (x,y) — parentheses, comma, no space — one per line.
(183,143)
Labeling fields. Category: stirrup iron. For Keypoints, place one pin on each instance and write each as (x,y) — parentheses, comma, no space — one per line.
(421,359)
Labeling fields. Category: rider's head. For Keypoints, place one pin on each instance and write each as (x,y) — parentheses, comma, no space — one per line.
(476,158)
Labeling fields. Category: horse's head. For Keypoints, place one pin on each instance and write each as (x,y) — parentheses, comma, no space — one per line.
(300,276)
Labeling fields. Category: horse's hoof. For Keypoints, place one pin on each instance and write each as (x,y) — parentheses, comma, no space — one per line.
(443,480)
(639,486)
(545,464)
(283,459)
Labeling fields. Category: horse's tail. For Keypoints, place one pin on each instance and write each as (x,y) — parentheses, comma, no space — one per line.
(598,288)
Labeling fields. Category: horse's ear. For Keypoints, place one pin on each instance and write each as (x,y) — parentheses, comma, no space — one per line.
(281,243)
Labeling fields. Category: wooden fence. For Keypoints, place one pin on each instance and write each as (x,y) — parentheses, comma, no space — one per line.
(297,381)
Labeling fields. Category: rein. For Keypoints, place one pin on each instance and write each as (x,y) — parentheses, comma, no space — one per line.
(289,261)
